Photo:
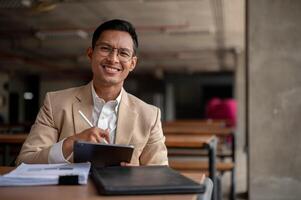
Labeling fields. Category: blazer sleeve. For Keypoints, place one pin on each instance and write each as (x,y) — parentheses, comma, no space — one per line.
(155,151)
(42,136)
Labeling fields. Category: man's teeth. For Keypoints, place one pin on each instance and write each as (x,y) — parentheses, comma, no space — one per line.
(111,69)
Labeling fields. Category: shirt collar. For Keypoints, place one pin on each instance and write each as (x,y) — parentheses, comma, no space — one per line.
(96,97)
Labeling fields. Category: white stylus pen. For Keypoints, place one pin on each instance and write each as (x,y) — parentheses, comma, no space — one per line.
(88,122)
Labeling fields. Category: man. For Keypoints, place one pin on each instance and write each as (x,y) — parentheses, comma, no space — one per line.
(117,117)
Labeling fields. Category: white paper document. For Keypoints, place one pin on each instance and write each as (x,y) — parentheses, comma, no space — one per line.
(45,174)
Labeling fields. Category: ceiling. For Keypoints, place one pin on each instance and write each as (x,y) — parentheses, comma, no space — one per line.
(51,36)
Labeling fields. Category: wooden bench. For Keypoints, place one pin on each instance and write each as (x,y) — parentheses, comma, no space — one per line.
(198,142)
(191,128)
(198,123)
(198,165)
(226,142)
(226,145)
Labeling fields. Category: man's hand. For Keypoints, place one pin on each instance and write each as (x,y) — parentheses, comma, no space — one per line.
(93,134)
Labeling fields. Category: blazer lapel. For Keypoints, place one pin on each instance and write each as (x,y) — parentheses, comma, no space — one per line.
(84,103)
(126,120)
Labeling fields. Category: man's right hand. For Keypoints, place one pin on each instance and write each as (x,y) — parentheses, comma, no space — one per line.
(93,134)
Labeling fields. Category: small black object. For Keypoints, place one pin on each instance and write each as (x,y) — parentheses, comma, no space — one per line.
(68,180)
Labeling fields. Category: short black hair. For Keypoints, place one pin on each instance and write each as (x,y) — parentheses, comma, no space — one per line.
(118,25)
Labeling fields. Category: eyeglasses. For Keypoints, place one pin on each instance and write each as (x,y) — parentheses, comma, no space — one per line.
(124,54)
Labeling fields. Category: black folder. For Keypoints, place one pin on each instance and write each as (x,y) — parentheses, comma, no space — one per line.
(143,180)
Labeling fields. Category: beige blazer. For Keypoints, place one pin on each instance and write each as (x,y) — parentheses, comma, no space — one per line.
(138,124)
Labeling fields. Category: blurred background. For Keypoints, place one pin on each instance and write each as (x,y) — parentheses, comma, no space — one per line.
(192,45)
(231,60)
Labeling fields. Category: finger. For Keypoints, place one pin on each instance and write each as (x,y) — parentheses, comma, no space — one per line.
(107,131)
(106,137)
(100,135)
(96,136)
(93,138)
(98,139)
(89,135)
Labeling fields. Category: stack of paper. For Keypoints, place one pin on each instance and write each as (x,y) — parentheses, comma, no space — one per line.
(45,174)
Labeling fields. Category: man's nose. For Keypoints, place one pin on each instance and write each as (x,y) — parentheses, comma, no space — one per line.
(113,55)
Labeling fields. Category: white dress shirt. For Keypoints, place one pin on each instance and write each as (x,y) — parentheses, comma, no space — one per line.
(104,116)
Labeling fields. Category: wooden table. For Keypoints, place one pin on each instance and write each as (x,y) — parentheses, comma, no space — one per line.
(78,192)
(13,138)
(195,141)
(221,132)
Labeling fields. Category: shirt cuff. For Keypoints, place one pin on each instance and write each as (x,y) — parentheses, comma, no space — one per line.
(56,154)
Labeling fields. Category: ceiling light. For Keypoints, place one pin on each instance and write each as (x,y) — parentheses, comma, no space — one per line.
(28,95)
(43,6)
(26,3)
(42,35)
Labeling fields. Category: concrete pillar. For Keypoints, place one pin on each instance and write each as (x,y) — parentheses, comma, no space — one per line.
(274,79)
(240,85)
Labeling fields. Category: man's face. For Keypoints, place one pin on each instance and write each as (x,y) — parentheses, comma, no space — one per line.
(112,58)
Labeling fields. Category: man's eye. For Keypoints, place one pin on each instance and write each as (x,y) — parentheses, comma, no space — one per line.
(106,49)
(124,54)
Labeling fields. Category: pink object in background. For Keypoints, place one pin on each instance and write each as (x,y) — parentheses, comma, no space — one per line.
(217,108)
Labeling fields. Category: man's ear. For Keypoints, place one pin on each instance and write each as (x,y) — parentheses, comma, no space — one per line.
(133,63)
(89,53)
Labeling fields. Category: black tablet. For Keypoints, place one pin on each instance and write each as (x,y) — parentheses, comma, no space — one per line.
(102,155)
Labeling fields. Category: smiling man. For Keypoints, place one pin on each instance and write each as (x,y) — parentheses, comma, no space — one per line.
(117,116)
